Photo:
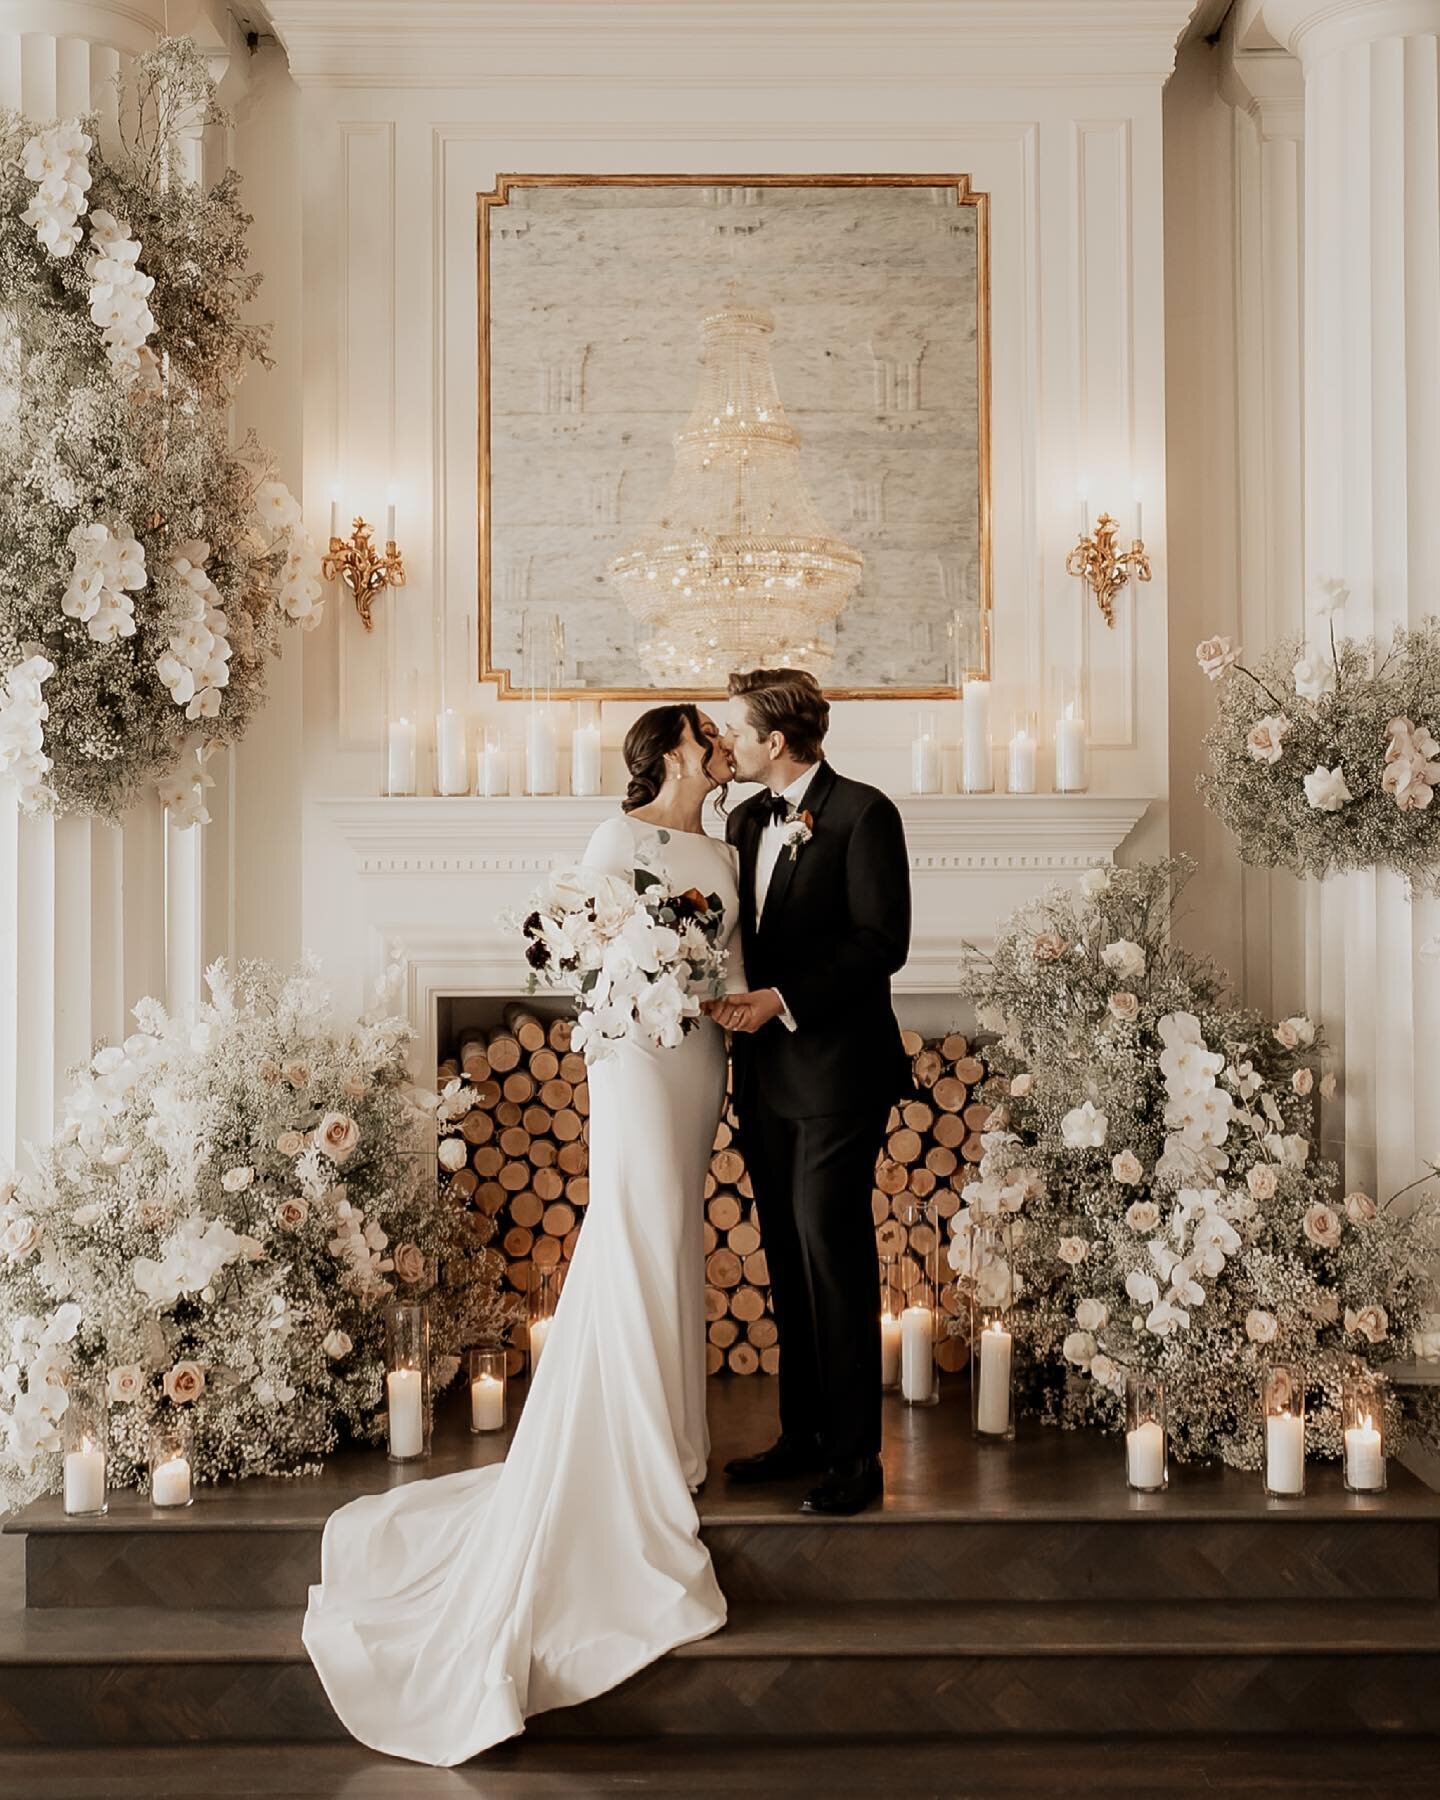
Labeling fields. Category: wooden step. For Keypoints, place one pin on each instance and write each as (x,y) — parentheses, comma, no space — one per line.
(132,1675)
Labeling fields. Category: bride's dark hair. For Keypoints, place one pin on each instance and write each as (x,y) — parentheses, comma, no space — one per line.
(647,743)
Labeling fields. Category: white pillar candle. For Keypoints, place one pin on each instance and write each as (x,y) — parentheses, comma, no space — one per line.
(585,759)
(492,769)
(487,1403)
(334,514)
(976,772)
(1145,1454)
(539,1331)
(1285,1453)
(390,515)
(85,1480)
(917,1352)
(992,1413)
(405,1388)
(889,1350)
(452,768)
(1020,763)
(170,1484)
(400,757)
(1069,752)
(926,764)
(1364,1461)
(539,754)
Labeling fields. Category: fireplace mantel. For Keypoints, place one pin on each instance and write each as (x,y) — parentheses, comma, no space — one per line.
(435,875)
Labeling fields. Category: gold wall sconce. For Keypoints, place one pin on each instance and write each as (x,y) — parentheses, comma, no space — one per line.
(356,562)
(1104,568)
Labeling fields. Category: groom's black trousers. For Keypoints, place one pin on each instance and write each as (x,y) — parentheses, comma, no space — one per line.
(813,1180)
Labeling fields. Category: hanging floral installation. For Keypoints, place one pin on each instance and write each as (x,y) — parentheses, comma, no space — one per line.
(1327,760)
(227,1206)
(1154,1152)
(146,562)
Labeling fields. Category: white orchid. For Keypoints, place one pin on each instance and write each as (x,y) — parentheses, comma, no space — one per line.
(1083,1127)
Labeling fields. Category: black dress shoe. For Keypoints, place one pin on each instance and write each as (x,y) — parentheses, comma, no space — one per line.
(786,1457)
(847,1489)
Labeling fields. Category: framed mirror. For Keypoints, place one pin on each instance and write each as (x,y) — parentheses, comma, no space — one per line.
(730,421)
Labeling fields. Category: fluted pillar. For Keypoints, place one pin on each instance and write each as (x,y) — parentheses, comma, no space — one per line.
(1372,476)
(82,906)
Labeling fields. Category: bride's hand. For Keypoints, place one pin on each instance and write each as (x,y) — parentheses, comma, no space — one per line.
(747,1012)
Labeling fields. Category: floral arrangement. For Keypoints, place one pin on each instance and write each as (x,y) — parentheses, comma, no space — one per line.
(1322,761)
(634,955)
(145,561)
(1153,1155)
(226,1208)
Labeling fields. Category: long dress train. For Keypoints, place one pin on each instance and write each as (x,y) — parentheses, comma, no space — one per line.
(449,1610)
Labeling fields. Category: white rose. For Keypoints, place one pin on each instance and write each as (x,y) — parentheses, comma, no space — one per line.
(1295,1151)
(1079,1348)
(1090,1315)
(1127,1168)
(125,1384)
(1303,1029)
(1215,655)
(1020,1085)
(1261,1326)
(1142,1217)
(337,1135)
(1360,1209)
(185,1382)
(1096,881)
(1124,959)
(336,1344)
(1325,789)
(1314,676)
(1083,1128)
(20,1237)
(1072,1250)
(1302,1081)
(452,1154)
(1262,1181)
(1125,1007)
(291,1214)
(1370,1322)
(1327,1087)
(290,1143)
(1265,740)
(1104,1371)
(235,1181)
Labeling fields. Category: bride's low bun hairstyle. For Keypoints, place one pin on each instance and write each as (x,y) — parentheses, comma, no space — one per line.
(647,743)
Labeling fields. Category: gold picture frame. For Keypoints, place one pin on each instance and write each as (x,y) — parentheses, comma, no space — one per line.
(502,674)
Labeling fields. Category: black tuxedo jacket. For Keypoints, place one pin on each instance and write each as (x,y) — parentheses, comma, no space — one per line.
(835,928)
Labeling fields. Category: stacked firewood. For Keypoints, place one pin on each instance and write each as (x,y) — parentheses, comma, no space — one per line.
(528,1138)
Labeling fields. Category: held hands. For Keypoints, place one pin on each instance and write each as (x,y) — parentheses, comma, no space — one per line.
(744,1012)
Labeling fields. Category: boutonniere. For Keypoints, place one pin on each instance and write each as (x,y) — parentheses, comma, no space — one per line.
(798,834)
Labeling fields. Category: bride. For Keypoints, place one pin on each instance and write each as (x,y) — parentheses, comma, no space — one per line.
(449,1610)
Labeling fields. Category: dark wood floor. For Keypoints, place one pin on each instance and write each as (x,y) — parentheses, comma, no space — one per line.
(971,1769)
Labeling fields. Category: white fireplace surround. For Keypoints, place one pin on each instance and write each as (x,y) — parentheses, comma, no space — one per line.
(435,875)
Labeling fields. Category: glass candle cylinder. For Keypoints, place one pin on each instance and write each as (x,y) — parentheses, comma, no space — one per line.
(541,760)
(1072,732)
(487,1388)
(918,1276)
(172,1460)
(543,1298)
(585,748)
(977,771)
(1147,1467)
(1363,1406)
(988,1266)
(1022,754)
(402,732)
(84,1437)
(927,765)
(1283,1397)
(407,1379)
(452,756)
(891,1307)
(492,763)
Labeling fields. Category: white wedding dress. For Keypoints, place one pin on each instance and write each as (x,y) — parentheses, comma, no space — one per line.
(449,1610)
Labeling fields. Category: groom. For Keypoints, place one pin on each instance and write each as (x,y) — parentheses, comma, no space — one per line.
(825,918)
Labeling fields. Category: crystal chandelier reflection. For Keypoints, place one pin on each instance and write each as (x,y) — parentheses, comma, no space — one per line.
(739,570)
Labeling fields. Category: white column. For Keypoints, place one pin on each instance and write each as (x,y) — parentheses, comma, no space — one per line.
(64,887)
(1372,476)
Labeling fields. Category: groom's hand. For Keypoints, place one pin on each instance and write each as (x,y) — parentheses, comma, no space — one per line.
(747,1012)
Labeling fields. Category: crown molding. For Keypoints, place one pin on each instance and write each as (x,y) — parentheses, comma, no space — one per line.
(727,44)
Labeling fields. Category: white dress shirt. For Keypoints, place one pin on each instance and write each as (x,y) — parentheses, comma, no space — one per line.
(767,854)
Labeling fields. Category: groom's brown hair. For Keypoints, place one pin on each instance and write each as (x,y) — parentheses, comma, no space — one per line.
(788,701)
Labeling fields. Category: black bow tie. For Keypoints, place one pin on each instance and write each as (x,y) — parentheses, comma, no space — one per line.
(776,809)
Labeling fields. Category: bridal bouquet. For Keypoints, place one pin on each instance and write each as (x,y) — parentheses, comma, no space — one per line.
(1154,1153)
(1323,760)
(635,955)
